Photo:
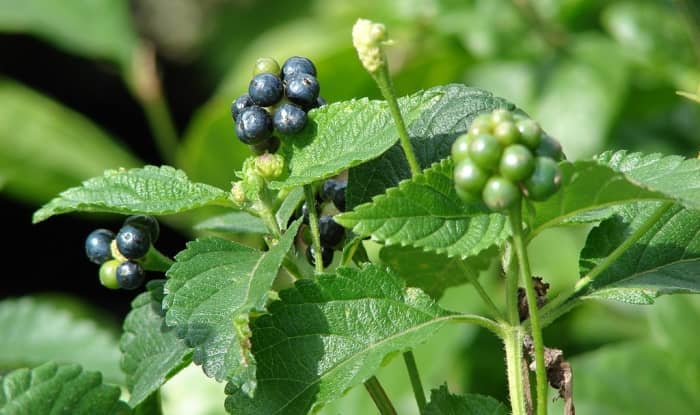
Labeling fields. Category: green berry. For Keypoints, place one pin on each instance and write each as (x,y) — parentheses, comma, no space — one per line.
(470,177)
(549,147)
(467,196)
(485,151)
(460,148)
(481,125)
(517,163)
(506,133)
(530,133)
(266,65)
(108,274)
(544,181)
(500,193)
(501,115)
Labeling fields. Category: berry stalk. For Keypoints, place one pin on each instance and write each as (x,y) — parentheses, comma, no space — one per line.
(313,224)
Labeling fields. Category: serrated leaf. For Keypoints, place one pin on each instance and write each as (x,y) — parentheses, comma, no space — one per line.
(211,289)
(325,337)
(431,272)
(151,353)
(55,389)
(149,190)
(425,212)
(442,402)
(233,222)
(345,134)
(34,333)
(665,260)
(431,136)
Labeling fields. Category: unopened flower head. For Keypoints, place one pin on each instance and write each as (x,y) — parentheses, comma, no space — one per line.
(368,38)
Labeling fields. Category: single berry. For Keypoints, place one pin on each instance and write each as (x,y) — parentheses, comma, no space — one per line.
(544,181)
(130,275)
(266,65)
(239,104)
(460,148)
(339,196)
(289,119)
(530,133)
(331,233)
(469,177)
(506,133)
(549,147)
(517,163)
(326,255)
(302,89)
(108,274)
(254,125)
(266,89)
(328,190)
(133,241)
(485,151)
(467,196)
(97,245)
(500,193)
(500,115)
(481,125)
(145,221)
(297,65)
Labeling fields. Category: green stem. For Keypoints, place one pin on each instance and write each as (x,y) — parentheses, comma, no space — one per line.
(381,77)
(150,406)
(156,261)
(513,342)
(416,384)
(162,127)
(511,287)
(490,305)
(379,396)
(536,331)
(313,224)
(264,210)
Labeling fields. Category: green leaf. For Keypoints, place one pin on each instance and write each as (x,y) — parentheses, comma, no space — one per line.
(211,289)
(345,134)
(46,148)
(665,260)
(431,272)
(233,222)
(95,29)
(149,190)
(425,212)
(289,205)
(34,333)
(151,353)
(442,402)
(322,338)
(431,135)
(57,390)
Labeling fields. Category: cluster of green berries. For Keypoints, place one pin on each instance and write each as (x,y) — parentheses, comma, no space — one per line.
(504,156)
(118,255)
(278,99)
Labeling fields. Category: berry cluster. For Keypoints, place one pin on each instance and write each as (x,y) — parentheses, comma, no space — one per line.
(277,100)
(503,156)
(118,255)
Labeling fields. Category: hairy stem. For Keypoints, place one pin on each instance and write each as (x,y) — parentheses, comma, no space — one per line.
(536,331)
(513,342)
(416,384)
(379,396)
(313,224)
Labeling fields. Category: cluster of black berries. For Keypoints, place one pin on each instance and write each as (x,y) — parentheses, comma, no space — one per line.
(330,199)
(504,156)
(120,268)
(277,100)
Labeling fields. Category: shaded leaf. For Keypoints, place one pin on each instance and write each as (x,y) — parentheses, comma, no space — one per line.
(288,206)
(211,289)
(149,190)
(325,337)
(233,222)
(57,390)
(425,212)
(442,402)
(151,353)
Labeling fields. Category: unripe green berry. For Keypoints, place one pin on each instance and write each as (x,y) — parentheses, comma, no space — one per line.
(500,193)
(481,125)
(544,181)
(108,274)
(517,163)
(485,151)
(266,65)
(460,148)
(501,115)
(470,177)
(549,147)
(269,166)
(468,196)
(530,132)
(506,133)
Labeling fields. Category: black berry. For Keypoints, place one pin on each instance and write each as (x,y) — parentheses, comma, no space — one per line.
(130,275)
(297,65)
(266,89)
(97,245)
(339,196)
(254,125)
(133,241)
(331,233)
(326,255)
(239,104)
(289,119)
(145,221)
(303,89)
(269,145)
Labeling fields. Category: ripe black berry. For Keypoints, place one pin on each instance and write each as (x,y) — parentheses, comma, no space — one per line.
(302,89)
(97,246)
(297,65)
(289,119)
(339,196)
(266,89)
(133,241)
(130,275)
(326,255)
(254,125)
(239,104)
(331,233)
(145,221)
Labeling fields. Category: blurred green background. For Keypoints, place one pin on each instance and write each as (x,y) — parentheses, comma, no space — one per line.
(77,96)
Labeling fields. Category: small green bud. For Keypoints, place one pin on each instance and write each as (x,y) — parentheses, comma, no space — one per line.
(368,38)
(238,194)
(269,166)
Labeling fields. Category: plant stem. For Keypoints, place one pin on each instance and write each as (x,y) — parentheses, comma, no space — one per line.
(536,332)
(490,305)
(379,396)
(313,224)
(513,342)
(265,211)
(383,80)
(416,384)
(156,261)
(162,127)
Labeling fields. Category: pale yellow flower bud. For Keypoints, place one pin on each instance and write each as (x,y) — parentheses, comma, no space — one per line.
(368,38)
